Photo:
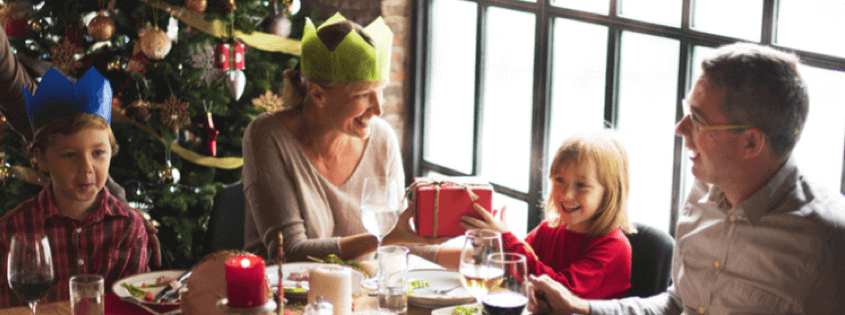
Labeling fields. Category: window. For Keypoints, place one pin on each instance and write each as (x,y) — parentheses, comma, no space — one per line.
(503,82)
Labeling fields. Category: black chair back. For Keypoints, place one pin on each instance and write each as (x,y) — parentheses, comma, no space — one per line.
(651,261)
(226,225)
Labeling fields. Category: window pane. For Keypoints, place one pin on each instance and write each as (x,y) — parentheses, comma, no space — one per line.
(507,97)
(742,20)
(449,112)
(812,25)
(579,64)
(516,214)
(666,12)
(819,152)
(595,6)
(648,80)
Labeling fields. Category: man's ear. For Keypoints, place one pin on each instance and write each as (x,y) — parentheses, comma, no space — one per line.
(317,94)
(755,142)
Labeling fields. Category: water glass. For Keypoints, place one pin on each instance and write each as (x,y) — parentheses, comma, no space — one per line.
(392,287)
(86,295)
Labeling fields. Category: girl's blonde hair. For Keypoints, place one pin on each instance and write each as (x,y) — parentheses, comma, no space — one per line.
(611,160)
(67,125)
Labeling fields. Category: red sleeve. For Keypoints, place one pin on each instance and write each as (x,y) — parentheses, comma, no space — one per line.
(603,270)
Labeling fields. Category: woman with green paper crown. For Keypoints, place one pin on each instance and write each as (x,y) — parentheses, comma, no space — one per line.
(304,166)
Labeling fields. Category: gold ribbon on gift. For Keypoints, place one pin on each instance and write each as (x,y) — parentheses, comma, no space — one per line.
(436,184)
(259,40)
(228,163)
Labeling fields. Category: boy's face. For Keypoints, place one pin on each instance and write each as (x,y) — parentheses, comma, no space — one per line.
(78,165)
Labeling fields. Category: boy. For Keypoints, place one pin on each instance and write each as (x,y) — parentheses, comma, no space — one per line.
(89,230)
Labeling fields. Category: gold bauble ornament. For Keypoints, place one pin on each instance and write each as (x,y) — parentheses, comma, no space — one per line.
(155,43)
(101,27)
(196,5)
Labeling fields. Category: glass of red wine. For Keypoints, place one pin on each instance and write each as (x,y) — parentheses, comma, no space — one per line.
(30,267)
(509,296)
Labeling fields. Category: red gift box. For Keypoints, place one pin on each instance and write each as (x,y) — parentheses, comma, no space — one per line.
(455,196)
(229,54)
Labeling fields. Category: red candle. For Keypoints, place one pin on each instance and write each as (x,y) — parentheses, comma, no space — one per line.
(245,282)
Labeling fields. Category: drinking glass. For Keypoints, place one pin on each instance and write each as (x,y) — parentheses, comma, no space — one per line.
(87,295)
(381,202)
(393,267)
(509,296)
(30,267)
(477,275)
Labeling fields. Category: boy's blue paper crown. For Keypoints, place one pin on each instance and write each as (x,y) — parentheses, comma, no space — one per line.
(57,97)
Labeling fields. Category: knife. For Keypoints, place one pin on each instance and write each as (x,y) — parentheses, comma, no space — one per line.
(167,289)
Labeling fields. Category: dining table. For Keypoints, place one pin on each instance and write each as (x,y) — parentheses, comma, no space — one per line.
(113,306)
(294,306)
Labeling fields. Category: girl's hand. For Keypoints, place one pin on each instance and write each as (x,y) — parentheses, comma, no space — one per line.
(404,234)
(487,221)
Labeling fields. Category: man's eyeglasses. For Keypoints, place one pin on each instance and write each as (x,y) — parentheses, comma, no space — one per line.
(701,125)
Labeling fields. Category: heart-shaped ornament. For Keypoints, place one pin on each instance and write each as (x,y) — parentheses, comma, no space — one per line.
(235,81)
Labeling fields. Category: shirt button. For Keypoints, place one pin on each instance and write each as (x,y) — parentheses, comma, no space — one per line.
(717,264)
(80,262)
(78,230)
(701,310)
(733,218)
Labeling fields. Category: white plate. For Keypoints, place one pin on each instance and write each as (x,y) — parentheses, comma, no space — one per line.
(148,278)
(272,273)
(438,279)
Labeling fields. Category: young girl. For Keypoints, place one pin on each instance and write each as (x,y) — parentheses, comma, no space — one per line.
(581,243)
(89,230)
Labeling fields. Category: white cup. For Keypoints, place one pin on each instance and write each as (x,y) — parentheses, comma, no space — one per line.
(87,295)
(392,287)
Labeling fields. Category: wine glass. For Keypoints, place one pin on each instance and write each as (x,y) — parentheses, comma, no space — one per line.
(509,296)
(30,267)
(381,202)
(477,276)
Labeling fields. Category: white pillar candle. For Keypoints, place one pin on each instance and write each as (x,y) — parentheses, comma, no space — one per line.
(334,283)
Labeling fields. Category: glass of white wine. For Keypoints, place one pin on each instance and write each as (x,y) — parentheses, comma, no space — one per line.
(477,275)
(509,296)
(381,203)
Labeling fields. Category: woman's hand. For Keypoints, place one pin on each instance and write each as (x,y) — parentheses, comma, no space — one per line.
(404,234)
(547,296)
(487,221)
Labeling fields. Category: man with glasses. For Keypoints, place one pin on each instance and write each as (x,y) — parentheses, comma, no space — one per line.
(755,235)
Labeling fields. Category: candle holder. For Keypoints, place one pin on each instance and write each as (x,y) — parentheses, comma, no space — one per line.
(223,307)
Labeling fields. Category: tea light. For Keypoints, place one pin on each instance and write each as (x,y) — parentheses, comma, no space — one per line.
(334,283)
(245,286)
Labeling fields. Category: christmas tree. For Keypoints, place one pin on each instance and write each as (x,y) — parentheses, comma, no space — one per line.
(188,78)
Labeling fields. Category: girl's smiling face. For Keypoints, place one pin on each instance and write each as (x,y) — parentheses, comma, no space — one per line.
(577,193)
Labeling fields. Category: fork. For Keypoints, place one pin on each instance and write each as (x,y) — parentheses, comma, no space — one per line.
(444,291)
(133,301)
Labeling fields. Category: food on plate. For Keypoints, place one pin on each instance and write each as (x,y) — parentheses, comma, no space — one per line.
(296,290)
(333,259)
(465,310)
(418,284)
(133,290)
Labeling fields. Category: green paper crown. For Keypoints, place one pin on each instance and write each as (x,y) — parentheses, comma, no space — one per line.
(353,59)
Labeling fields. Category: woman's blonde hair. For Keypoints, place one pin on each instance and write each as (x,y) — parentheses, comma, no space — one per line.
(67,125)
(611,160)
